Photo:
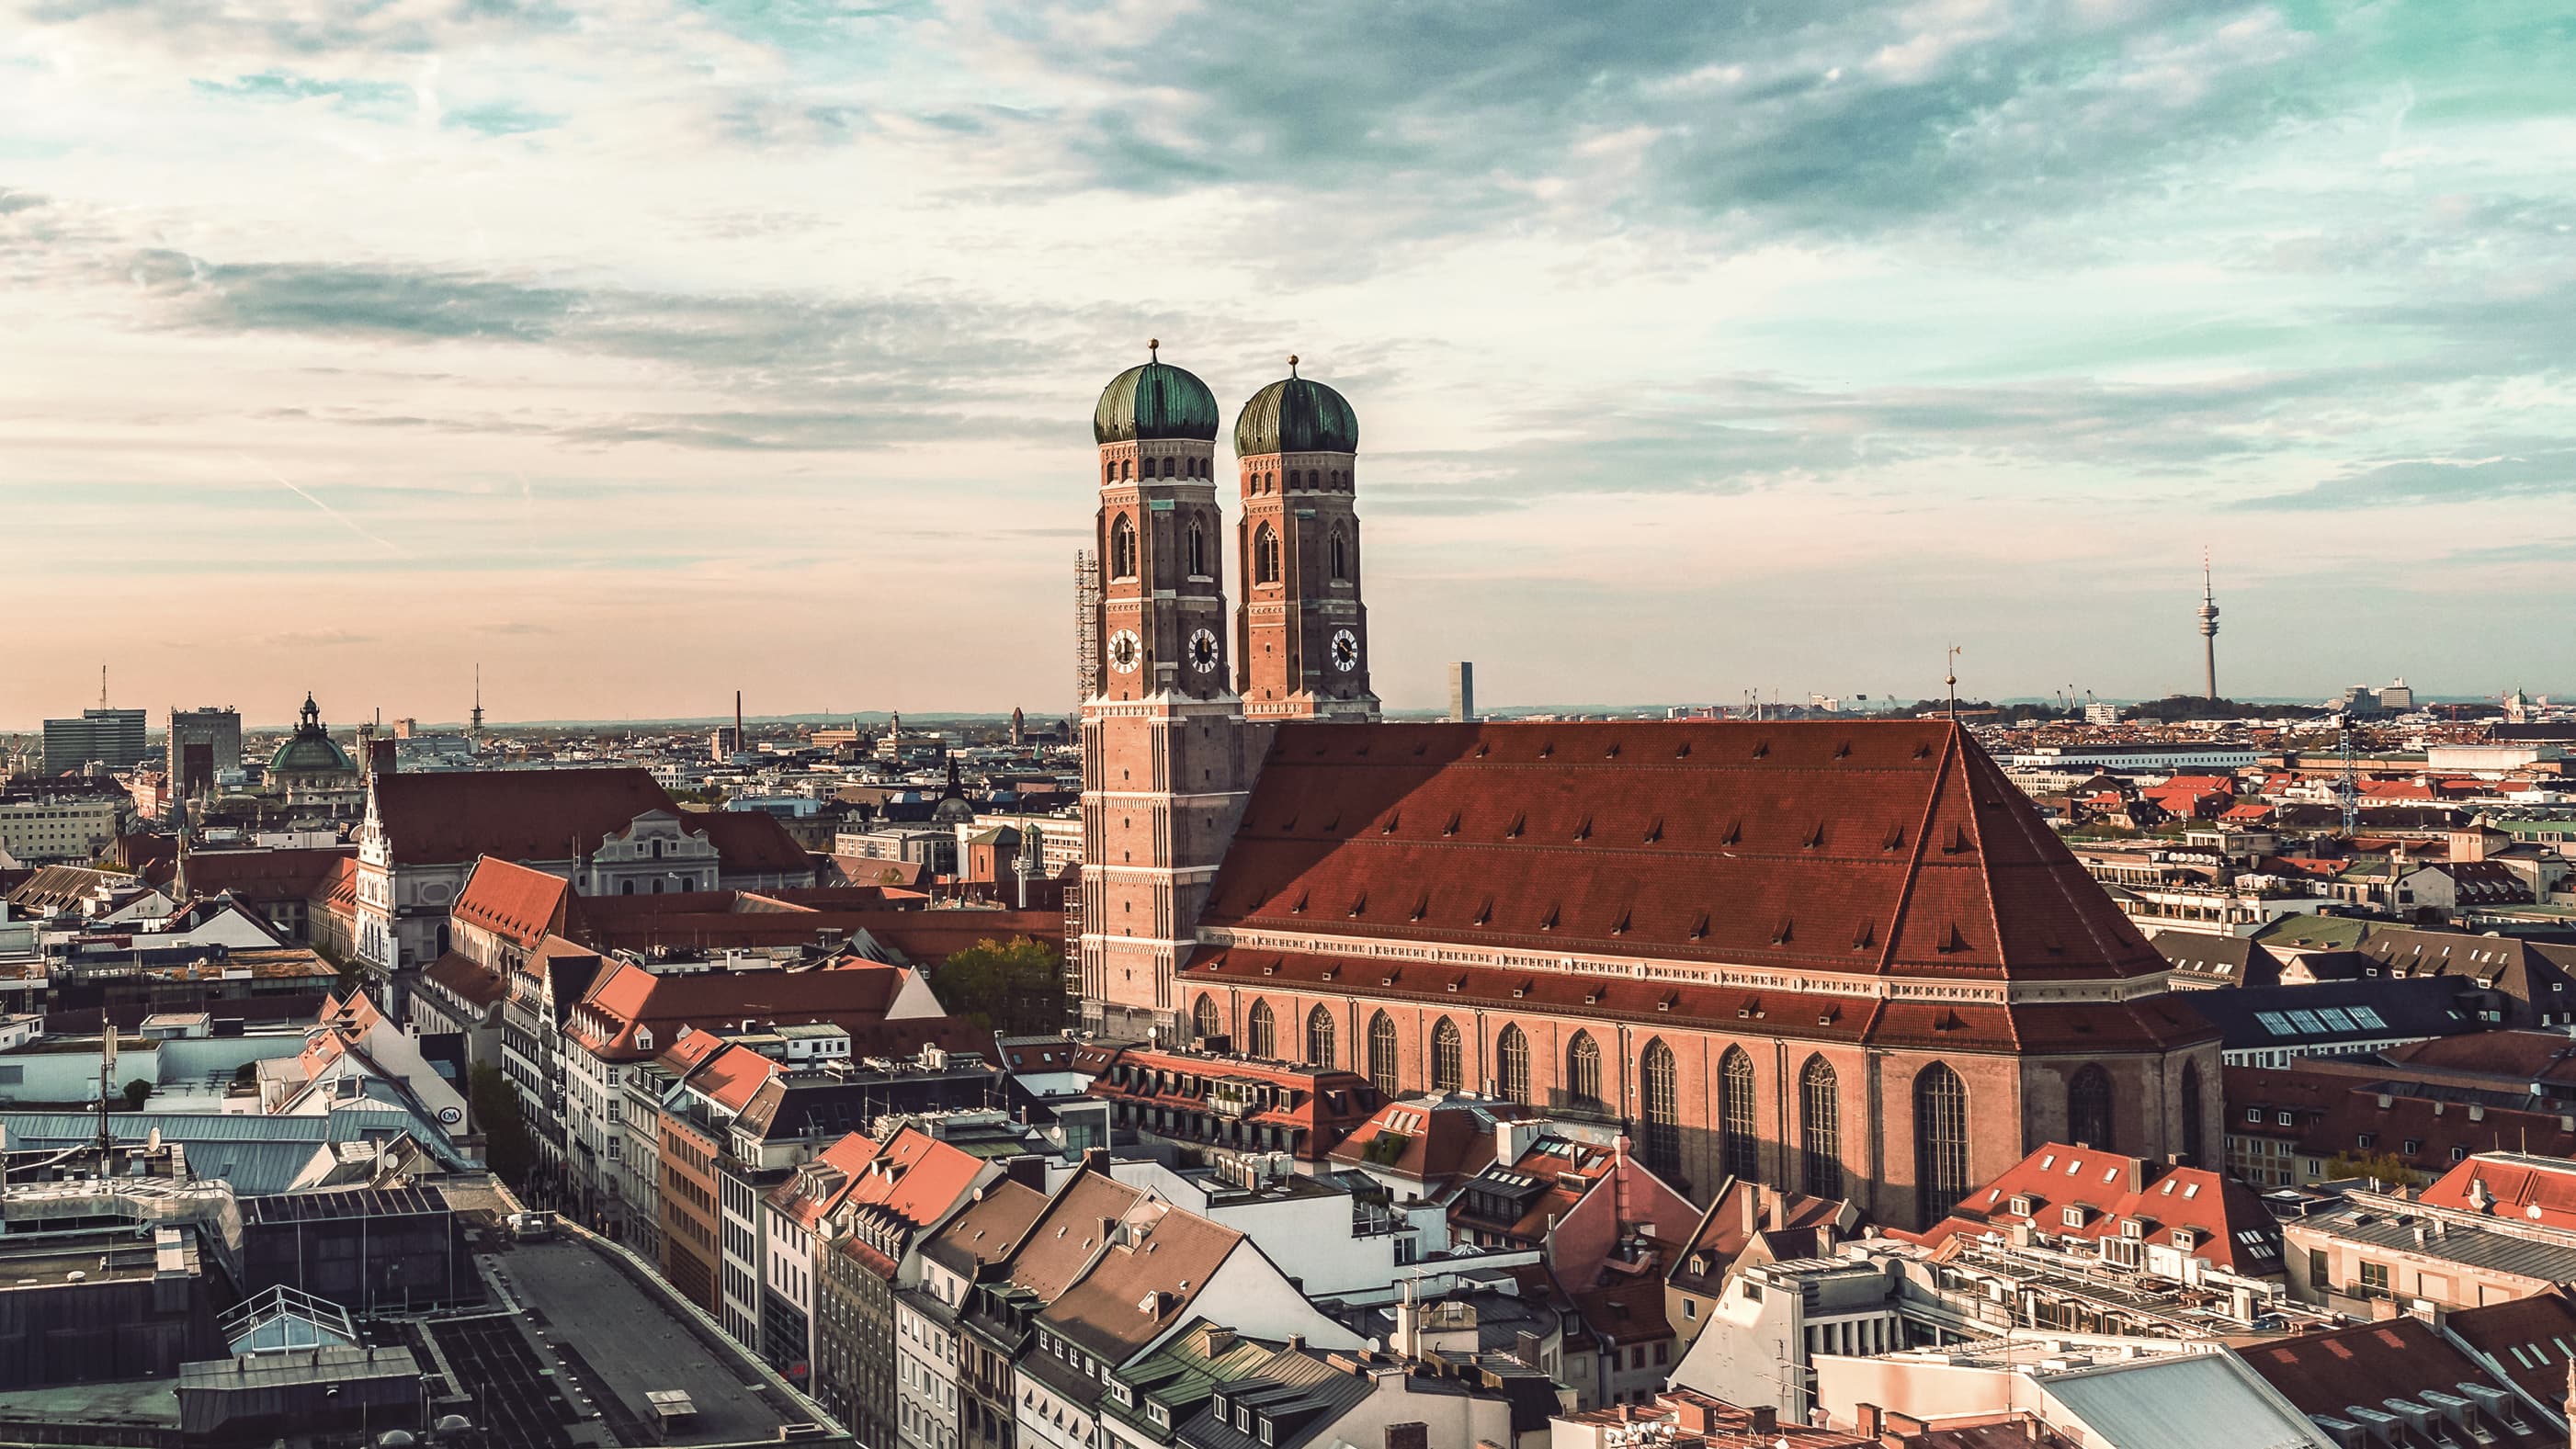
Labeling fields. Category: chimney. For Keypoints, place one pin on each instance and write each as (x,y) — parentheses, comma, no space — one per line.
(1766,1419)
(1096,1159)
(1220,1340)
(1693,1414)
(1748,1205)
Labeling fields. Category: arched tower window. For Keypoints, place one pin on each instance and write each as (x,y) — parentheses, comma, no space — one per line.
(1739,1139)
(1127,468)
(1319,1039)
(1583,1070)
(1203,1016)
(1659,1107)
(1940,1142)
(1265,555)
(1108,473)
(1198,550)
(1820,1128)
(1170,465)
(1381,1063)
(1341,556)
(2088,1108)
(1512,1065)
(1260,1033)
(1296,479)
(2191,1112)
(1122,548)
(1448,1061)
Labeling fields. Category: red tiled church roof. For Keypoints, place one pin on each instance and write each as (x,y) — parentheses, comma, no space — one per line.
(450,818)
(1894,848)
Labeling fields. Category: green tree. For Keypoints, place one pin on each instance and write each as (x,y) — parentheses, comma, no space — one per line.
(135,1093)
(1016,987)
(506,1146)
(2383,1164)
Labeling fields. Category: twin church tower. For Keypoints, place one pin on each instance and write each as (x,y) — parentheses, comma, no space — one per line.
(1178,694)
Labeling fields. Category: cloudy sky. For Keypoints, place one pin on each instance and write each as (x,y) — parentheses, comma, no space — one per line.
(642,350)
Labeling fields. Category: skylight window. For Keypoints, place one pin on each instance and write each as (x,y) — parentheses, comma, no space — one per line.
(2368,1017)
(2307,1021)
(2274,1022)
(2334,1017)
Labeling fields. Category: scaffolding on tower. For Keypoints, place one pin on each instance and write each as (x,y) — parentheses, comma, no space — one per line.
(1086,624)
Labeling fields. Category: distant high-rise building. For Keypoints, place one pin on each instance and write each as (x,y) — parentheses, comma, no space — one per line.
(203,743)
(2208,632)
(110,737)
(2397,698)
(1462,691)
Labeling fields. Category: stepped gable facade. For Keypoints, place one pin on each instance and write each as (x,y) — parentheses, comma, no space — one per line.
(1843,958)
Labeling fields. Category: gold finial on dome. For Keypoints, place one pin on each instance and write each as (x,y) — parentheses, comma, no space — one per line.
(1292,364)
(1153,348)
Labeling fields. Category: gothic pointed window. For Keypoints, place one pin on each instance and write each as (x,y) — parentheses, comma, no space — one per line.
(1198,551)
(1203,1017)
(1260,1033)
(1448,1061)
(1381,1049)
(1583,1071)
(1739,1137)
(1319,1039)
(2191,1113)
(1659,1107)
(1940,1142)
(1122,548)
(1265,556)
(1341,556)
(1512,1065)
(1820,1128)
(2088,1108)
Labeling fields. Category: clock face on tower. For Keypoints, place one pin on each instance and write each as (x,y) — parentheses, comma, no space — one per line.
(1125,651)
(1202,652)
(1346,650)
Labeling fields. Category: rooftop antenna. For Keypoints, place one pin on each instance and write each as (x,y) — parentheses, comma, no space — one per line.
(102,686)
(1952,680)
(474,729)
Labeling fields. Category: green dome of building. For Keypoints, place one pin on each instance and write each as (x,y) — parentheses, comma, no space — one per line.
(1296,415)
(311,751)
(1154,400)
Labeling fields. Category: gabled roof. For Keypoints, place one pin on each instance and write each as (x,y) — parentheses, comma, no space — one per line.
(1434,1140)
(472,982)
(2513,1186)
(2349,1374)
(265,875)
(1143,1284)
(513,902)
(1745,1212)
(2531,1340)
(988,1229)
(449,818)
(2106,1192)
(749,842)
(854,995)
(1880,848)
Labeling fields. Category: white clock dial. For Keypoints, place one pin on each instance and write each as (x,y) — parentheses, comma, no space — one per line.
(1126,651)
(1203,652)
(1346,650)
